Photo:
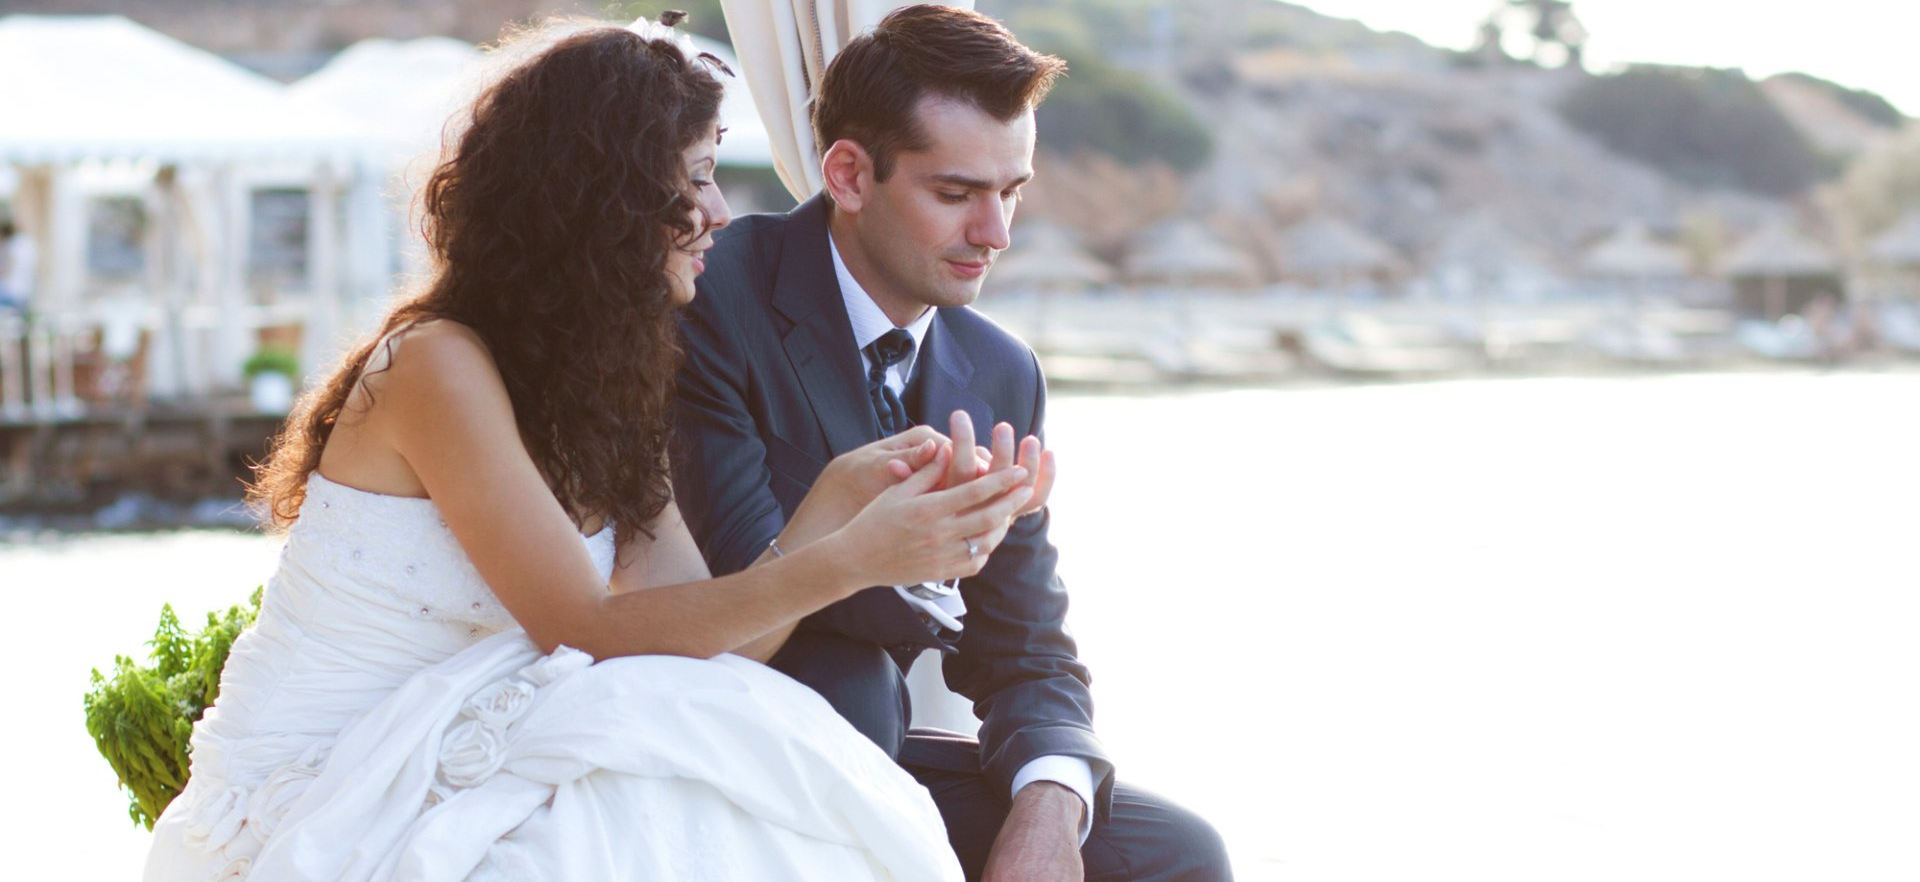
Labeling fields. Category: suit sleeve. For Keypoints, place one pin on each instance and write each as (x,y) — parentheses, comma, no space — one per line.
(1016,660)
(721,478)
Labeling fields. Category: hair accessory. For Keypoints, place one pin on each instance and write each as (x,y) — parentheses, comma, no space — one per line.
(664,29)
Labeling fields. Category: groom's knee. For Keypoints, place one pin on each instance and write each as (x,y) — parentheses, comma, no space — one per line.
(1149,837)
(858,678)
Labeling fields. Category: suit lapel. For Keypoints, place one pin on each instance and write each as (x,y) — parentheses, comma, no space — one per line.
(940,380)
(820,344)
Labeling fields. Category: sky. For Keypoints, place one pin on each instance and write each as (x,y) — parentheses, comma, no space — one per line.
(1864,44)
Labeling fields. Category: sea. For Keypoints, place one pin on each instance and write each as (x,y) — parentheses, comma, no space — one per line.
(1644,627)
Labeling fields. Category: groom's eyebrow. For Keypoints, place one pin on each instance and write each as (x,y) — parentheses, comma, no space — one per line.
(973,183)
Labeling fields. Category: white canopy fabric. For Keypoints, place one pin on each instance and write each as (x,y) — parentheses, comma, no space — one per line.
(105,88)
(785,46)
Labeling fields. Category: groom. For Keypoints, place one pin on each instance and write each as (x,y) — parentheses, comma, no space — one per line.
(847,319)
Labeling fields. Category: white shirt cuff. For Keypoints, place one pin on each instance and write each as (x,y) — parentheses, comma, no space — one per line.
(1070,772)
(944,611)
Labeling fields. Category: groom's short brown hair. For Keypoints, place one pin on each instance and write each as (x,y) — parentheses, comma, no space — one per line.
(871,89)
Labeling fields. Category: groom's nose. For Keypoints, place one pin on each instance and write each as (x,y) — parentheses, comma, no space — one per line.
(987,226)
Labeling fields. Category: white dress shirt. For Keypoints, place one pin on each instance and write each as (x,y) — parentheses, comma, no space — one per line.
(869,323)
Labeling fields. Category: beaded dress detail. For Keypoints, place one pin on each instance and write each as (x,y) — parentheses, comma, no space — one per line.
(385,718)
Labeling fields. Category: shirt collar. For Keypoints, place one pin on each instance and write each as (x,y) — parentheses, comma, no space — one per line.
(869,322)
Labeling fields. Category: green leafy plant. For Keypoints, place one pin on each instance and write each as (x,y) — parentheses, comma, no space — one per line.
(142,716)
(272,360)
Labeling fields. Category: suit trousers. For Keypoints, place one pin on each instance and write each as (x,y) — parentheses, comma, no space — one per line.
(1147,838)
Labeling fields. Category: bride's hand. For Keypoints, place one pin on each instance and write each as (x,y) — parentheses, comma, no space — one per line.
(970,461)
(859,475)
(913,532)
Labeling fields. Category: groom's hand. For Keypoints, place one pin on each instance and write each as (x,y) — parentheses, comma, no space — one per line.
(1040,841)
(971,461)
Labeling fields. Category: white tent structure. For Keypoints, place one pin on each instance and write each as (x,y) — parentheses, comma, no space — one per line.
(104,105)
(404,92)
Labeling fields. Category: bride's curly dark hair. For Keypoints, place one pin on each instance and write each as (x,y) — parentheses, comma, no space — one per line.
(549,221)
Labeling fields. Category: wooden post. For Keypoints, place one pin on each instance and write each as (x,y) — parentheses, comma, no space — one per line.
(13,368)
(19,463)
(65,402)
(324,256)
(40,372)
(235,322)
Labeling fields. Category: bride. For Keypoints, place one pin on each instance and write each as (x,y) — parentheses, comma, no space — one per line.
(478,509)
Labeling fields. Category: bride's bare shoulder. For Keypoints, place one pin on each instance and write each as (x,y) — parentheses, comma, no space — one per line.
(429,355)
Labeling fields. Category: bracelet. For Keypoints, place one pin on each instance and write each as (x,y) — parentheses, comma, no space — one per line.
(774,547)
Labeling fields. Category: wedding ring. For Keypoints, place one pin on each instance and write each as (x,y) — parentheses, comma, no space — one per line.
(972,549)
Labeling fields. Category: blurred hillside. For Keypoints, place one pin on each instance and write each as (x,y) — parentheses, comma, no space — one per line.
(1253,115)
(1309,116)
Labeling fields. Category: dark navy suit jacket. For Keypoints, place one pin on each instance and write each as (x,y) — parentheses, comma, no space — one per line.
(773,388)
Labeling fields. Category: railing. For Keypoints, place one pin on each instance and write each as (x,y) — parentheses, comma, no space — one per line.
(37,370)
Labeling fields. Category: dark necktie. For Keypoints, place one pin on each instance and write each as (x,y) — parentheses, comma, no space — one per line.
(892,348)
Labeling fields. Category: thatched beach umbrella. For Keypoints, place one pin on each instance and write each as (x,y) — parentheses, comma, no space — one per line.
(1047,257)
(1893,258)
(1899,247)
(1480,259)
(1329,251)
(1632,253)
(1184,253)
(1777,271)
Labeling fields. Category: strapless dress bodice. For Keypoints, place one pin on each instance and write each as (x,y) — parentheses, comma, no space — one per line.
(394,554)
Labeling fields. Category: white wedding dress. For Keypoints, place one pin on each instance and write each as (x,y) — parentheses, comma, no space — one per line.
(386,719)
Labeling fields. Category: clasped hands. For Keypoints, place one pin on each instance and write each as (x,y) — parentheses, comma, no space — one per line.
(930,507)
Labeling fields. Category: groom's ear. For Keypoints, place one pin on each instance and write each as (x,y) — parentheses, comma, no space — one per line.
(848,171)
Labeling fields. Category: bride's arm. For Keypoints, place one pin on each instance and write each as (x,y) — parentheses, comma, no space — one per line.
(850,482)
(446,412)
(672,558)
